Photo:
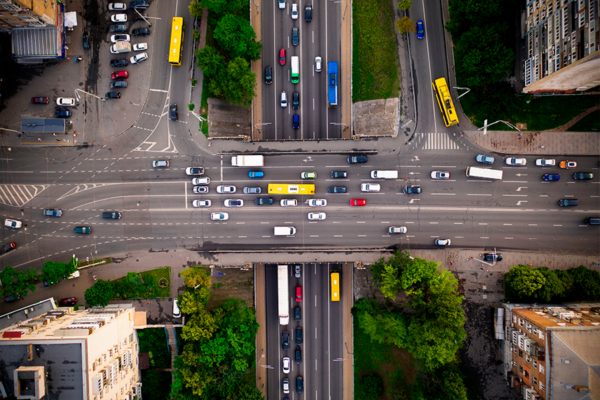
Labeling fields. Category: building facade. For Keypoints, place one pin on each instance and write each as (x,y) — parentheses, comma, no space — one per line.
(66,354)
(553,351)
(562,45)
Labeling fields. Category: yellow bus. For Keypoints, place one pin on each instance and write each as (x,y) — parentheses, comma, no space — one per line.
(442,94)
(289,188)
(335,285)
(176,41)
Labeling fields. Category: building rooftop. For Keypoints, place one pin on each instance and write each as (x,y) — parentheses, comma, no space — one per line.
(25,313)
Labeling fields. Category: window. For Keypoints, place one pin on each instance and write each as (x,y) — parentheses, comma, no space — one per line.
(541,335)
(520,353)
(527,358)
(541,369)
(131,338)
(520,368)
(534,380)
(515,349)
(514,319)
(535,364)
(542,387)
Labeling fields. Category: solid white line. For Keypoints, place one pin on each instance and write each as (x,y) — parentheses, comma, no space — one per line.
(478,194)
(458,223)
(443,194)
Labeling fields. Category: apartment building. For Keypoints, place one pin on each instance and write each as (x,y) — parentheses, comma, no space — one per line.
(59,353)
(553,351)
(562,42)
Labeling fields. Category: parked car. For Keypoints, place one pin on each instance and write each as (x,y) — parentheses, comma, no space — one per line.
(201,189)
(139,4)
(568,202)
(118,84)
(139,16)
(138,58)
(358,202)
(117,6)
(226,189)
(283,99)
(357,159)
(13,223)
(233,203)
(8,247)
(161,163)
(62,113)
(516,161)
(485,159)
(219,216)
(551,177)
(294,11)
(83,229)
(113,95)
(268,75)
(194,171)
(281,56)
(308,12)
(295,36)
(176,310)
(288,203)
(120,38)
(318,216)
(568,164)
(68,301)
(256,174)
(201,203)
(337,189)
(118,18)
(443,242)
(120,28)
(120,74)
(50,212)
(338,174)
(173,112)
(140,46)
(65,101)
(260,201)
(39,100)
(140,32)
(544,162)
(118,62)
(296,121)
(12,297)
(492,256)
(420,29)
(440,175)
(583,176)
(252,190)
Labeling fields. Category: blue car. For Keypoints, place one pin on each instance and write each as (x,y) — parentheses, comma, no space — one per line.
(484,159)
(551,177)
(256,174)
(420,30)
(63,113)
(296,121)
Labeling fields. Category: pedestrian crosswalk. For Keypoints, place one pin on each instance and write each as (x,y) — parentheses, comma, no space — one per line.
(19,195)
(436,141)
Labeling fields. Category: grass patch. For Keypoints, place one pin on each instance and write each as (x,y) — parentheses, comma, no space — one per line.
(591,123)
(158,275)
(375,73)
(146,285)
(395,366)
(543,113)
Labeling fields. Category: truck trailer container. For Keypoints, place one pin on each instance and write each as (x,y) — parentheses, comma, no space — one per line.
(247,161)
(282,284)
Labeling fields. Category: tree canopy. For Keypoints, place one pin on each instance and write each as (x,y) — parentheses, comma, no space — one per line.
(98,294)
(56,271)
(17,282)
(236,36)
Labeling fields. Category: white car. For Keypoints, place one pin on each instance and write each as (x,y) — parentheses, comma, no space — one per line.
(294,11)
(140,46)
(320,216)
(370,187)
(440,175)
(120,38)
(201,181)
(318,62)
(65,101)
(118,18)
(283,99)
(117,6)
(317,202)
(225,189)
(542,162)
(281,4)
(138,58)
(233,203)
(286,365)
(397,229)
(516,161)
(219,216)
(442,242)
(201,189)
(201,203)
(13,223)
(288,202)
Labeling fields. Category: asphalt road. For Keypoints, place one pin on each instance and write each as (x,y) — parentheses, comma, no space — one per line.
(320,37)
(321,323)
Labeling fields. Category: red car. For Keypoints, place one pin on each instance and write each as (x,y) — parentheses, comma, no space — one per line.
(69,301)
(298,293)
(358,202)
(281,56)
(39,100)
(120,74)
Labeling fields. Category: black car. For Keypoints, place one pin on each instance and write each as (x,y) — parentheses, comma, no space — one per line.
(86,40)
(268,75)
(140,5)
(118,28)
(140,32)
(339,174)
(285,340)
(113,95)
(295,36)
(299,384)
(357,159)
(298,355)
(264,200)
(173,112)
(298,335)
(308,13)
(111,215)
(337,189)
(412,189)
(568,202)
(296,100)
(583,176)
(62,113)
(119,62)
(118,84)
(297,313)
(490,256)
(12,297)
(8,247)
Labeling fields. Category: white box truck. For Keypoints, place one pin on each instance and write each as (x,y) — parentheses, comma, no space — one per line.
(247,161)
(120,47)
(282,284)
(284,231)
(384,174)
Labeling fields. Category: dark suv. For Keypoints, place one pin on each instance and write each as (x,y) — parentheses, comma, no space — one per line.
(111,215)
(298,335)
(297,313)
(298,355)
(357,159)
(268,75)
(113,95)
(338,174)
(412,189)
(296,100)
(118,28)
(140,5)
(119,62)
(140,32)
(308,12)
(337,189)
(295,36)
(568,202)
(285,340)
(583,176)
(490,256)
(264,200)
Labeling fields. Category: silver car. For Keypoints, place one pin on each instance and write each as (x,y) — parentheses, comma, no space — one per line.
(233,203)
(252,190)
(397,229)
(201,203)
(317,202)
(219,216)
(320,216)
(201,189)
(442,242)
(516,161)
(225,189)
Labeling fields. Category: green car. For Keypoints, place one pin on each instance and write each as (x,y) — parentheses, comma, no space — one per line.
(83,229)
(308,175)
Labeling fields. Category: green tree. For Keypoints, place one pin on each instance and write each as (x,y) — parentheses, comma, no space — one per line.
(194,277)
(453,384)
(553,287)
(522,282)
(222,7)
(586,283)
(56,271)
(210,61)
(390,282)
(17,282)
(236,36)
(405,25)
(369,387)
(566,280)
(195,8)
(99,294)
(236,84)
(201,325)
(246,391)
(404,4)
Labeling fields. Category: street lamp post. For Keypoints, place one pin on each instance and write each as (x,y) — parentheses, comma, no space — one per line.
(258,129)
(339,124)
(83,91)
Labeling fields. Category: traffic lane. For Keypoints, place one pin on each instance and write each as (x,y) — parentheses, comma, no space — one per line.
(334,53)
(337,349)
(273,354)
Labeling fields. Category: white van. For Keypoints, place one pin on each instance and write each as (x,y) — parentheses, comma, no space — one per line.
(387,174)
(74,275)
(176,312)
(284,231)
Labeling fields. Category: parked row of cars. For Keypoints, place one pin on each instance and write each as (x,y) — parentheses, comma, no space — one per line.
(298,338)
(61,102)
